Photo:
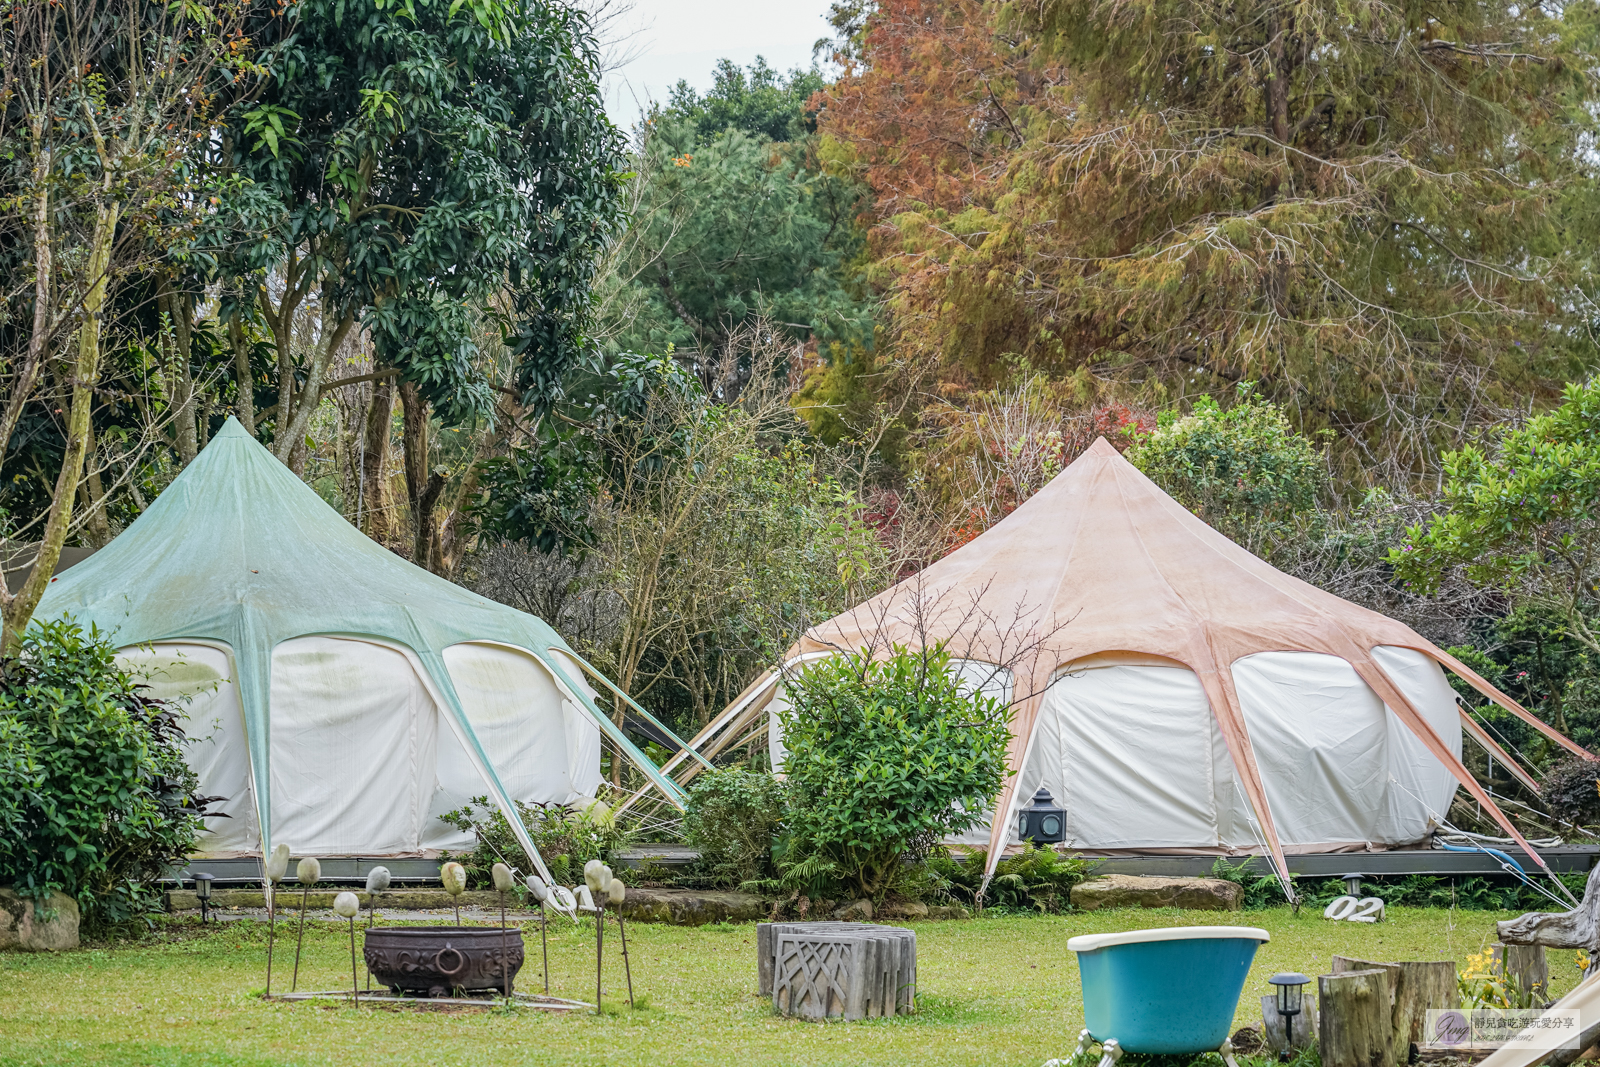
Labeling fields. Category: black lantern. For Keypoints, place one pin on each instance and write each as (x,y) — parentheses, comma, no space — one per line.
(1291,990)
(202,889)
(1042,822)
(1352,883)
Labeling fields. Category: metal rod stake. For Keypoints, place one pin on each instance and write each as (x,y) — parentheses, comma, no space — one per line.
(505,952)
(544,944)
(301,940)
(272,928)
(599,952)
(355,983)
(627,969)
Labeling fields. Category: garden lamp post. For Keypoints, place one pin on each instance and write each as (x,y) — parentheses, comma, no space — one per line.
(1043,821)
(377,881)
(202,890)
(1290,987)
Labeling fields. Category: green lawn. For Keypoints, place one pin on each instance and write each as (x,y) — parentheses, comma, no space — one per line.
(999,990)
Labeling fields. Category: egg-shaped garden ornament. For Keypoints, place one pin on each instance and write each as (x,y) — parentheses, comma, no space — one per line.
(454,877)
(593,876)
(346,905)
(618,892)
(502,877)
(308,871)
(377,879)
(278,863)
(537,889)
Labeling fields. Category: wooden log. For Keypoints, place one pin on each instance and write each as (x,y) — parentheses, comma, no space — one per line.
(1423,987)
(1355,1019)
(1348,964)
(1272,1028)
(1416,987)
(1527,970)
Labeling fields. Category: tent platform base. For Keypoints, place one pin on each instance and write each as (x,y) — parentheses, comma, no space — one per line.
(1562,859)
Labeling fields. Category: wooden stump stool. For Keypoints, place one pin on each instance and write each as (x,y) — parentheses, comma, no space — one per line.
(837,970)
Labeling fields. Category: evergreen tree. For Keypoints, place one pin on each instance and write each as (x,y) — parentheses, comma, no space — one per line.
(1380,213)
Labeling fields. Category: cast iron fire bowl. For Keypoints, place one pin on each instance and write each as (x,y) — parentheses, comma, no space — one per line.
(435,960)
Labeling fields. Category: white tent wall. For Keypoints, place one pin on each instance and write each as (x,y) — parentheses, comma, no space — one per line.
(583,733)
(544,748)
(353,748)
(362,760)
(1133,753)
(1338,767)
(198,678)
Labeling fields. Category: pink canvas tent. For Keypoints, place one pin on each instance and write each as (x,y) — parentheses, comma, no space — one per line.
(1181,694)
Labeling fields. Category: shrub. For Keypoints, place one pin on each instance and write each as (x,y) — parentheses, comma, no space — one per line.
(1037,878)
(566,838)
(96,799)
(1572,789)
(886,758)
(1237,468)
(732,818)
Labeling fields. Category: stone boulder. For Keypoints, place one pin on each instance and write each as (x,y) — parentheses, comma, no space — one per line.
(21,926)
(692,907)
(1147,891)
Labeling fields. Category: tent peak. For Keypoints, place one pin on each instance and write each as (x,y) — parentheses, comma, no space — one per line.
(1102,446)
(232,428)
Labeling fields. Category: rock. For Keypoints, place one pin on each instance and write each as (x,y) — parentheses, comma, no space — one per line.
(857,911)
(21,926)
(913,910)
(692,907)
(948,911)
(1145,891)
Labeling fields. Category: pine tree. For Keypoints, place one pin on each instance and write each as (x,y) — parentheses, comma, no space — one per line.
(1380,213)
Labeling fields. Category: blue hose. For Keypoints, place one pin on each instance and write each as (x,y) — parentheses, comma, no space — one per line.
(1496,853)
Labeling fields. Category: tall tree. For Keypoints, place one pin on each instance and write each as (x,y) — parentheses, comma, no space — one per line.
(103,112)
(1382,214)
(738,218)
(413,171)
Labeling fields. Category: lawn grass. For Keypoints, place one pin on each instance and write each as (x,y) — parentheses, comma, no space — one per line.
(1001,990)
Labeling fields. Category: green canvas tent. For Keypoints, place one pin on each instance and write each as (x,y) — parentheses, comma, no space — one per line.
(339,697)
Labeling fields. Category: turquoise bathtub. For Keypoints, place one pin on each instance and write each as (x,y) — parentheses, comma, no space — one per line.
(1172,990)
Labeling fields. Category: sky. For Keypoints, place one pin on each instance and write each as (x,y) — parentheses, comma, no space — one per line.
(675,39)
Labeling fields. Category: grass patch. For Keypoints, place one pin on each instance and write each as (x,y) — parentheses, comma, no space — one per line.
(1000,990)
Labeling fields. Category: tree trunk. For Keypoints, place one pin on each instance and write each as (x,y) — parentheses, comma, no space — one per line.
(18,610)
(1415,989)
(292,431)
(43,268)
(423,486)
(1526,969)
(1355,1026)
(96,527)
(376,518)
(244,378)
